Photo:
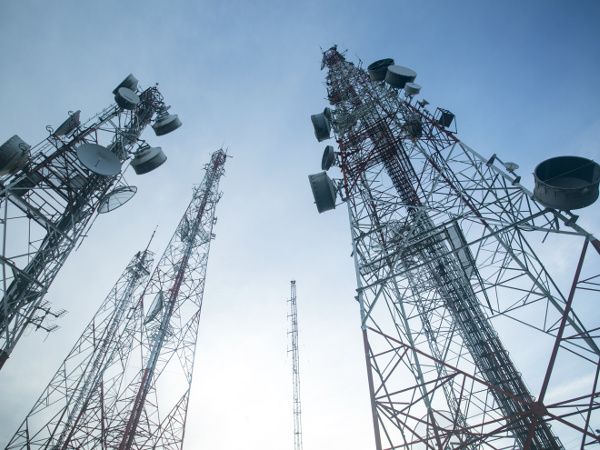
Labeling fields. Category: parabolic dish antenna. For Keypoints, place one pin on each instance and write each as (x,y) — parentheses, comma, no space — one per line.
(130,82)
(567,182)
(166,124)
(323,191)
(14,153)
(148,159)
(126,98)
(398,76)
(115,198)
(511,166)
(99,159)
(378,69)
(322,124)
(68,125)
(328,158)
(412,88)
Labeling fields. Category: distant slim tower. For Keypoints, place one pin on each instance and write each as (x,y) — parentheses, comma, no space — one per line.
(451,253)
(126,383)
(50,193)
(295,369)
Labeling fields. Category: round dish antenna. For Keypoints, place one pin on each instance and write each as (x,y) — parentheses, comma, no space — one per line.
(398,76)
(328,158)
(126,98)
(130,82)
(165,123)
(99,159)
(116,198)
(322,124)
(323,191)
(147,159)
(412,88)
(511,166)
(378,69)
(14,153)
(68,125)
(567,182)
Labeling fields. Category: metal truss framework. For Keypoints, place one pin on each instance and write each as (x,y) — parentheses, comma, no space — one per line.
(47,206)
(127,381)
(295,368)
(448,244)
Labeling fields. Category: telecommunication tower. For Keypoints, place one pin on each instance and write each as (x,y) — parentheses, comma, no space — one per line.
(49,194)
(452,252)
(127,381)
(295,369)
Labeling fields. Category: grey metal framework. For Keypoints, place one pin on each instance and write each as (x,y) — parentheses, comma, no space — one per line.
(127,381)
(447,242)
(46,209)
(295,368)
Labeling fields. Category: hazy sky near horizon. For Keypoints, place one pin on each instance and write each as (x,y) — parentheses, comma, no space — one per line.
(521,78)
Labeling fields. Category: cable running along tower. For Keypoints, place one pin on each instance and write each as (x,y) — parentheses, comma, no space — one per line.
(451,253)
(49,194)
(295,369)
(126,383)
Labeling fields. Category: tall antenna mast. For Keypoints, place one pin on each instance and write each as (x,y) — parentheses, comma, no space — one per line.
(50,193)
(449,250)
(295,369)
(126,383)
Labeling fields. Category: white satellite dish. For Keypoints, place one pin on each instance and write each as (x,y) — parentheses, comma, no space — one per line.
(148,159)
(116,198)
(126,98)
(511,166)
(99,159)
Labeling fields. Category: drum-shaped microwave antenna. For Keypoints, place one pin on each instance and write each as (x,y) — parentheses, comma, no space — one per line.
(323,191)
(126,98)
(567,182)
(398,76)
(14,153)
(99,159)
(378,69)
(116,198)
(322,124)
(147,159)
(165,124)
(328,157)
(130,82)
(412,88)
(68,125)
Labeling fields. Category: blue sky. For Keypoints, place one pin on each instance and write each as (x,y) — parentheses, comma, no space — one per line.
(521,78)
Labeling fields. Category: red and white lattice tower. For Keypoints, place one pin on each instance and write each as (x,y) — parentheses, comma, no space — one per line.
(126,383)
(50,193)
(452,254)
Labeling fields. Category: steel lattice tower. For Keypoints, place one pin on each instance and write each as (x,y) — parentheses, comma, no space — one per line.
(48,197)
(127,381)
(295,369)
(447,243)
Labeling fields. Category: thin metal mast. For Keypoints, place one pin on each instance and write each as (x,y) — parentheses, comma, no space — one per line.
(446,242)
(48,200)
(295,369)
(129,378)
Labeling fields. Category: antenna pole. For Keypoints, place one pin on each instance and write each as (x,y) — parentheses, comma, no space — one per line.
(297,410)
